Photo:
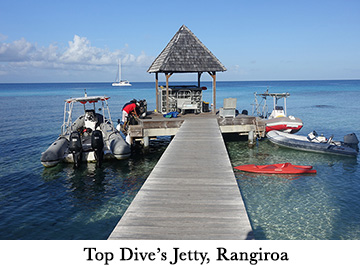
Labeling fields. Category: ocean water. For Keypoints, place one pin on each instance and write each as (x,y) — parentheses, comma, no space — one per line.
(63,203)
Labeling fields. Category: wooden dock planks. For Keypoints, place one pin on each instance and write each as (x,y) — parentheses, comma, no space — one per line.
(191,194)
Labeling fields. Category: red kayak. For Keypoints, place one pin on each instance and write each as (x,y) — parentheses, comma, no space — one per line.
(284,168)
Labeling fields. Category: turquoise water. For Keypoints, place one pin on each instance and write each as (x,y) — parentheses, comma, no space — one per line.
(63,203)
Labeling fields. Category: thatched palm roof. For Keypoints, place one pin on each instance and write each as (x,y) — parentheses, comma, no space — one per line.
(185,53)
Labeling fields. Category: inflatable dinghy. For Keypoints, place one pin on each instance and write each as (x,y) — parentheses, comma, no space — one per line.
(315,143)
(91,137)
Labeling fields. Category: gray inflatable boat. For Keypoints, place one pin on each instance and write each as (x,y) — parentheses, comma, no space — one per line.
(91,137)
(315,143)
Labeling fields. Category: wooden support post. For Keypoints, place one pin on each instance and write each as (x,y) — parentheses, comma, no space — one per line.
(157,90)
(214,92)
(213,75)
(167,75)
(199,76)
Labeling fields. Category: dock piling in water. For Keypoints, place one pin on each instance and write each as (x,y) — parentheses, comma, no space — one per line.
(251,138)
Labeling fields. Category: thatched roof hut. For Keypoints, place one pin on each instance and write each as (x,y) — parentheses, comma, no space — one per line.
(186,54)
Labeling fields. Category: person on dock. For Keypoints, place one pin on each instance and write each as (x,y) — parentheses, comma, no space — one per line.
(128,109)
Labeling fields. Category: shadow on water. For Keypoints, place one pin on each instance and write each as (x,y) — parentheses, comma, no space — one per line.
(324,106)
(259,233)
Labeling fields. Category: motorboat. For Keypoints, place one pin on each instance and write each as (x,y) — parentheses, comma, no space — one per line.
(316,143)
(118,80)
(91,137)
(281,168)
(277,119)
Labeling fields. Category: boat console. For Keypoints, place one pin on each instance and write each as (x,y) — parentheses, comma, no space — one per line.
(90,119)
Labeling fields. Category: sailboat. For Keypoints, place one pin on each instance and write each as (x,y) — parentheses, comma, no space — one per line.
(118,81)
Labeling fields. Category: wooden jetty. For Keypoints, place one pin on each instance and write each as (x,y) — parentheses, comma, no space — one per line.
(192,193)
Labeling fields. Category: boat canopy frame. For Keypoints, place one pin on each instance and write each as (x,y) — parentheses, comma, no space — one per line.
(69,105)
(261,107)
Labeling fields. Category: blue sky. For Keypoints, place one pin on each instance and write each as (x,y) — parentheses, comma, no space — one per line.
(80,41)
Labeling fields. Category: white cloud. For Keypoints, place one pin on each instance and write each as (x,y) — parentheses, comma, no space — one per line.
(80,51)
(78,55)
(19,50)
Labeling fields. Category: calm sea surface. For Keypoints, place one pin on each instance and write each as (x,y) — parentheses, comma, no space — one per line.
(63,203)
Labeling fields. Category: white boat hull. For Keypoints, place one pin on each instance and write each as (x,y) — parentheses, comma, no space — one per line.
(121,84)
(285,124)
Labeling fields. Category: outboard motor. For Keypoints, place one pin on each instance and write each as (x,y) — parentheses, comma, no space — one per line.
(352,141)
(97,143)
(75,147)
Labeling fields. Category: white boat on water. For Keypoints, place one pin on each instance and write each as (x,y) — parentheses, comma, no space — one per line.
(92,137)
(278,119)
(315,143)
(118,80)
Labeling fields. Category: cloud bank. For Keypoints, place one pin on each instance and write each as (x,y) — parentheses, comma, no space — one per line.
(78,56)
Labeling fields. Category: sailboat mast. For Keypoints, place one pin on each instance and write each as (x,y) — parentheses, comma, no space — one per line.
(118,81)
(119,70)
